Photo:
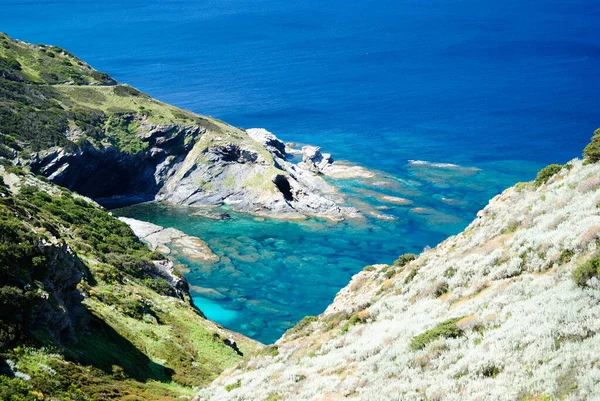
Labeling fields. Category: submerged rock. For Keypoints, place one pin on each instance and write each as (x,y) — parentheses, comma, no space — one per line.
(396,200)
(211,215)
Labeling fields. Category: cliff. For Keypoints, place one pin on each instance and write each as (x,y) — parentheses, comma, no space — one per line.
(506,310)
(117,145)
(87,311)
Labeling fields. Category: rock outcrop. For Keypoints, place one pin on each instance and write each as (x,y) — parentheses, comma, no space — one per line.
(506,310)
(170,240)
(322,163)
(196,166)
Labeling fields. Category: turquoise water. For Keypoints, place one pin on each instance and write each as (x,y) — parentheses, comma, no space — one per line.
(506,87)
(272,273)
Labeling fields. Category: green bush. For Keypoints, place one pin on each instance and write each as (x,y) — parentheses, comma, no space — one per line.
(390,273)
(306,320)
(126,90)
(403,260)
(450,272)
(102,78)
(546,173)
(270,350)
(565,256)
(445,329)
(360,317)
(589,269)
(591,153)
(235,385)
(160,285)
(410,276)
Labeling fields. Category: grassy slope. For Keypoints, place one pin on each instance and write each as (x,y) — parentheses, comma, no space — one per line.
(44,90)
(49,98)
(136,341)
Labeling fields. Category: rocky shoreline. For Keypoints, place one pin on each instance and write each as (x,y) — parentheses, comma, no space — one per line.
(170,241)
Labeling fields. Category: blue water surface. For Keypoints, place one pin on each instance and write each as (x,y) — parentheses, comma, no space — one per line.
(505,87)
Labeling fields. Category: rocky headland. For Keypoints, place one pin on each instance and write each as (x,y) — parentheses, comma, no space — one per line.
(119,146)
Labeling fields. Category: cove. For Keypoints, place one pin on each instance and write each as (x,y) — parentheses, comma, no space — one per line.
(271,273)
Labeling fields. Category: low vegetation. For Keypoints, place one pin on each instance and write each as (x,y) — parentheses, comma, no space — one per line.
(65,259)
(546,173)
(405,259)
(445,329)
(587,271)
(591,153)
(51,98)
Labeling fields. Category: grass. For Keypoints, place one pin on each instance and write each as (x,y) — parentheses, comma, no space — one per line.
(301,325)
(263,181)
(136,336)
(411,276)
(107,99)
(44,90)
(270,350)
(50,64)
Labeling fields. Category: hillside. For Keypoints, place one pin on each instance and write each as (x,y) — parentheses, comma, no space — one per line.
(89,312)
(506,310)
(80,128)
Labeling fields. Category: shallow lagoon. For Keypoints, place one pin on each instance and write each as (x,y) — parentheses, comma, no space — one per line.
(271,273)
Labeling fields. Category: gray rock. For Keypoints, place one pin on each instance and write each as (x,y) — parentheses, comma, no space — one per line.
(197,165)
(166,240)
(315,161)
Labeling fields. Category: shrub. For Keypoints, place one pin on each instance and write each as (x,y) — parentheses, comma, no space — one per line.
(565,256)
(410,276)
(360,317)
(160,285)
(589,269)
(270,350)
(126,90)
(390,273)
(445,329)
(450,272)
(591,153)
(102,77)
(511,227)
(306,320)
(546,173)
(403,260)
(232,386)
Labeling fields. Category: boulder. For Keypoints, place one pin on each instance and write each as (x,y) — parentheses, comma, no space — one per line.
(315,161)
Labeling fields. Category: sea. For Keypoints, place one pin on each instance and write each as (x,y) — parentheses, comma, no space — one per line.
(448,101)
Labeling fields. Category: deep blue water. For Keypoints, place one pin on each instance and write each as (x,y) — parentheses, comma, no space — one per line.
(506,87)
